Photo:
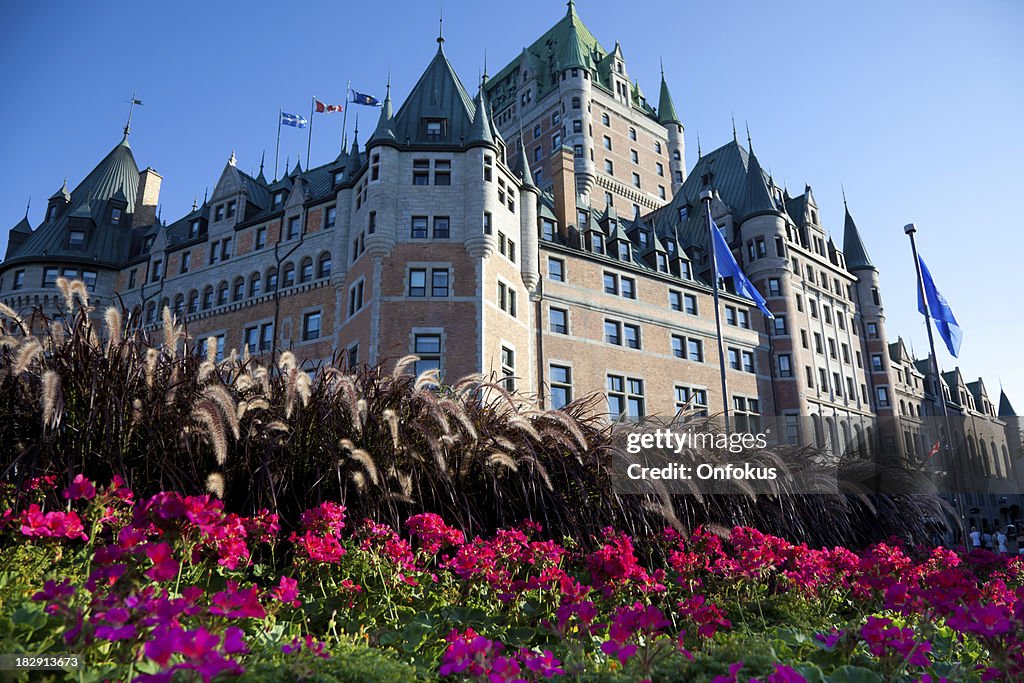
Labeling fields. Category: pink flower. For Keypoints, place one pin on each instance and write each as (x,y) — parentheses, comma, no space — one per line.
(287,591)
(81,488)
(326,518)
(432,533)
(165,567)
(52,524)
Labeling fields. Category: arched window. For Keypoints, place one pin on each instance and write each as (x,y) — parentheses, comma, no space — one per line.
(271,279)
(288,275)
(1002,473)
(207,297)
(254,285)
(136,318)
(164,303)
(179,304)
(323,268)
(819,436)
(306,270)
(845,446)
(151,312)
(238,289)
(193,301)
(222,293)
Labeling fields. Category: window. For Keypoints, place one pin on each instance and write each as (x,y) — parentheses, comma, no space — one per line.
(186,261)
(231,209)
(306,270)
(355,297)
(538,153)
(675,299)
(817,343)
(743,318)
(261,237)
(577,127)
(131,278)
(695,350)
(609,167)
(730,315)
(434,130)
(692,400)
(156,271)
(487,223)
(311,326)
(827,313)
(507,299)
(508,368)
(418,282)
(323,268)
(441,227)
(561,385)
(872,330)
(846,353)
(279,198)
(625,397)
(596,243)
(611,283)
(371,222)
(237,289)
(225,249)
(76,240)
(193,301)
(832,347)
(613,332)
(628,287)
(421,172)
(876,362)
(556,141)
(556,118)
(332,216)
(439,282)
(636,180)
(605,119)
(218,213)
(678,346)
(558,320)
(115,216)
(883,397)
(536,131)
(207,298)
(419,227)
(222,294)
(734,359)
(624,251)
(607,142)
(774,287)
(780,325)
(634,157)
(218,342)
(785,365)
(428,348)
(631,333)
(442,172)
(748,361)
(251,337)
(746,412)
(690,303)
(89,278)
(294,227)
(272,280)
(556,269)
(813,307)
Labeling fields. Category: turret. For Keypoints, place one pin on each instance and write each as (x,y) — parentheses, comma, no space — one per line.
(576,67)
(668,118)
(528,196)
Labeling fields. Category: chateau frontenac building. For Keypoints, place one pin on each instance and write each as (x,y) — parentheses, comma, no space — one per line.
(543,230)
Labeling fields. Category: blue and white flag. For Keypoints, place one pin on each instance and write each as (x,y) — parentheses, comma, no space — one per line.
(293,120)
(727,267)
(363,98)
(945,321)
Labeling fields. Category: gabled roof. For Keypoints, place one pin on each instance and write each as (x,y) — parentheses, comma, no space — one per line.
(853,247)
(437,94)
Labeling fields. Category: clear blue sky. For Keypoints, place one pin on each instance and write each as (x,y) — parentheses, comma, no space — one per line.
(914,106)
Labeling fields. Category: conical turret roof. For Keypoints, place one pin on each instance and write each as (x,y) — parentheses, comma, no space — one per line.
(853,246)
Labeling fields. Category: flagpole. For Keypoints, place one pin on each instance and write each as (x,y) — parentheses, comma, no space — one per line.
(910,229)
(344,116)
(277,148)
(706,197)
(309,138)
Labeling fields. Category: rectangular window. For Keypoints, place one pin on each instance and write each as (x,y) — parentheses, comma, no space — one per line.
(441,227)
(631,333)
(332,216)
(439,282)
(693,401)
(636,180)
(89,278)
(547,230)
(428,348)
(785,365)
(434,130)
(818,348)
(743,318)
(611,283)
(690,303)
(156,272)
(780,325)
(613,332)
(418,282)
(823,378)
(186,261)
(508,368)
(695,350)
(774,286)
(311,326)
(678,346)
(294,227)
(748,361)
(734,358)
(355,298)
(261,237)
(883,397)
(419,227)
(628,286)
(872,330)
(507,299)
(561,385)
(558,320)
(556,269)
(730,315)
(596,243)
(76,240)
(421,172)
(442,172)
(266,336)
(675,300)
(876,362)
(810,376)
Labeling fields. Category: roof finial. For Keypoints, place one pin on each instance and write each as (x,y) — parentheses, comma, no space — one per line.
(28,206)
(699,155)
(661,60)
(440,30)
(131,106)
(843,190)
(750,143)
(262,158)
(572,8)
(485,65)
(195,203)
(233,160)
(734,138)
(206,194)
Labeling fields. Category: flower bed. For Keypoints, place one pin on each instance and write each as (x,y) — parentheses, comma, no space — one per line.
(174,588)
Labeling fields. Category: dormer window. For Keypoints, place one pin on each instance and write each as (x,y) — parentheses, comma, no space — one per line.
(434,129)
(115,216)
(231,209)
(193,230)
(76,240)
(219,213)
(278,199)
(662,263)
(596,243)
(51,213)
(642,237)
(149,243)
(623,251)
(338,175)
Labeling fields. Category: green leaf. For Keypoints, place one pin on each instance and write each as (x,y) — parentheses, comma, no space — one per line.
(854,674)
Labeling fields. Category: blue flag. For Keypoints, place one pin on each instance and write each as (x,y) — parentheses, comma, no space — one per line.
(293,120)
(942,314)
(727,267)
(362,98)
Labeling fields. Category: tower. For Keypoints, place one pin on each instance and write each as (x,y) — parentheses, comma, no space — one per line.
(668,118)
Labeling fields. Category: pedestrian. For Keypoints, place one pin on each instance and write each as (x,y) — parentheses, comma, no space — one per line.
(987,539)
(975,537)
(1012,544)
(1001,542)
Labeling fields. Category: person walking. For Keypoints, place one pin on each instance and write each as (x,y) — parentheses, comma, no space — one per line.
(1001,542)
(975,537)
(1012,543)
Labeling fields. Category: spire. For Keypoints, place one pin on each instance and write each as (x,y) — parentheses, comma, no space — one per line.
(63,193)
(699,153)
(233,161)
(524,166)
(750,143)
(853,246)
(573,55)
(28,206)
(383,129)
(298,166)
(572,8)
(195,203)
(480,131)
(1005,409)
(734,136)
(440,32)
(666,108)
(759,197)
(128,124)
(262,178)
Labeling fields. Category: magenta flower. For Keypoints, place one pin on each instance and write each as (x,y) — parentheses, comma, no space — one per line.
(36,524)
(81,488)
(287,591)
(165,567)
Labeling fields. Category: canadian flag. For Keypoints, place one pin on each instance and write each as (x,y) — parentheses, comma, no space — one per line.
(933,451)
(321,107)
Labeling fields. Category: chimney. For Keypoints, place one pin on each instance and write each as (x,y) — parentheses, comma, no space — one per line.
(147,198)
(564,188)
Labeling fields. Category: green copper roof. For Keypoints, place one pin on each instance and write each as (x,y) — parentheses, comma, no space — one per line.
(480,131)
(853,247)
(758,197)
(438,94)
(666,109)
(574,54)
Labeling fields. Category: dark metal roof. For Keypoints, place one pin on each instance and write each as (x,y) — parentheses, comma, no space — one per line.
(758,198)
(439,94)
(1005,409)
(853,247)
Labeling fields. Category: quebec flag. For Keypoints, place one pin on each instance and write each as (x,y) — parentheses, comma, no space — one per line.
(945,321)
(293,120)
(727,267)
